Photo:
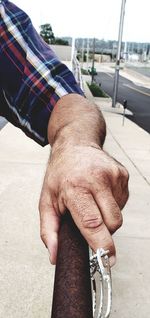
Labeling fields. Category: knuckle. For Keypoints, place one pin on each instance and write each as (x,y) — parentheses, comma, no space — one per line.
(125,173)
(120,222)
(114,226)
(109,173)
(124,199)
(116,172)
(92,223)
(119,171)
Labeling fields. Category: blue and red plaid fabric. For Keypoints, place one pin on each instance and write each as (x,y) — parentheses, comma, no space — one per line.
(32,79)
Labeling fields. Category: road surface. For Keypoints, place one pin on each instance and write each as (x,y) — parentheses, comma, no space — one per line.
(138,98)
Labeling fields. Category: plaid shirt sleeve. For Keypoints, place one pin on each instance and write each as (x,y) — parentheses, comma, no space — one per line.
(32,79)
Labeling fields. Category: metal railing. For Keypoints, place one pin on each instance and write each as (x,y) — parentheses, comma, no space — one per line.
(76,69)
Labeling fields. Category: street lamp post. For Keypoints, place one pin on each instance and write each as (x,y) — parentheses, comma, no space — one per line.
(93,61)
(117,67)
(73,49)
(87,54)
(83,44)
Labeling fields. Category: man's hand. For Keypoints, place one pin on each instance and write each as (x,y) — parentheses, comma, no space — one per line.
(83,178)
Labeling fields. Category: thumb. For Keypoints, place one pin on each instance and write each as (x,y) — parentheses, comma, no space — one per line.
(49,226)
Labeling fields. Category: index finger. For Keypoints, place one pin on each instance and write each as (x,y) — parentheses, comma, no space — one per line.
(88,219)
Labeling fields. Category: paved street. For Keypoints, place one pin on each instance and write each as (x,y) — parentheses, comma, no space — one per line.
(138,97)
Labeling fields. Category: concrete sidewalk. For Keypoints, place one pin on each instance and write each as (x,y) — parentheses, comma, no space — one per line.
(131,277)
(128,73)
(26,278)
(130,145)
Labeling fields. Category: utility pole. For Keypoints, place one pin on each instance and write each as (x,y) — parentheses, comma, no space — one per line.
(82,59)
(87,54)
(125,52)
(93,58)
(116,79)
(73,49)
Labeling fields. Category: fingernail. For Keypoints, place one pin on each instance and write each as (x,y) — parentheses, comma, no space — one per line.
(112,261)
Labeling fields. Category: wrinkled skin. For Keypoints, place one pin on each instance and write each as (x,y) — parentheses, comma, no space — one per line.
(93,186)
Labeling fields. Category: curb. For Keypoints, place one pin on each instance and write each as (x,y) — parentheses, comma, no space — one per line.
(106,103)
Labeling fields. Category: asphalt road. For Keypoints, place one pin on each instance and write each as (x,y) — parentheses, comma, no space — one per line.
(138,98)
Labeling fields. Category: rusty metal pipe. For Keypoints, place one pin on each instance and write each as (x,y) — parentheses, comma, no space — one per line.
(72,285)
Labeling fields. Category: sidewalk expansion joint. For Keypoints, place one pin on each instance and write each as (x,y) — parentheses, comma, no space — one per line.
(135,166)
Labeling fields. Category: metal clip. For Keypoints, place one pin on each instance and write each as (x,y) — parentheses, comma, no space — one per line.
(101,283)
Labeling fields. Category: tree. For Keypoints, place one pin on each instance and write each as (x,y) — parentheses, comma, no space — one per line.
(59,41)
(47,34)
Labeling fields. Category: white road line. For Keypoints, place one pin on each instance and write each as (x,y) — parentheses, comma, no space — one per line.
(137,90)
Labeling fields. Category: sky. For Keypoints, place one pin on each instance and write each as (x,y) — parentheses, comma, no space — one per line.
(96,18)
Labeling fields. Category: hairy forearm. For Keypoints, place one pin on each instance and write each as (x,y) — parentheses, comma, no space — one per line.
(75,119)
